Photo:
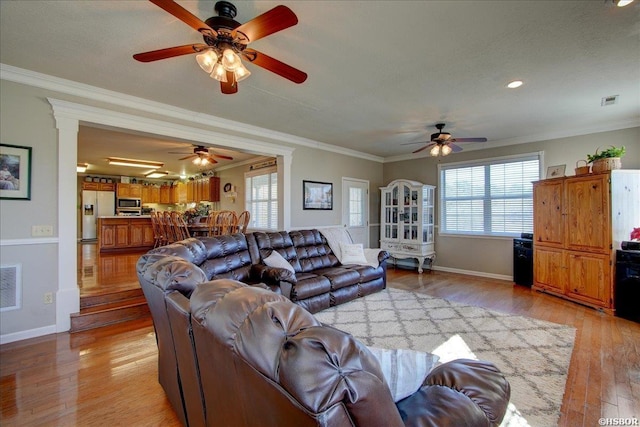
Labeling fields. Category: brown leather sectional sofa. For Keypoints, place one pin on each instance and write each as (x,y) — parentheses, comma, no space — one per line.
(320,281)
(236,355)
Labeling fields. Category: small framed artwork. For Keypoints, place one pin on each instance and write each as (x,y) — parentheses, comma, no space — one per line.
(15,172)
(555,171)
(317,195)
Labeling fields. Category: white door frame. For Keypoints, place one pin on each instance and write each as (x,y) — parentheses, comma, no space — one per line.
(345,205)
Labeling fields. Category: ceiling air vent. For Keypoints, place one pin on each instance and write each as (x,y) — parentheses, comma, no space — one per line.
(609,100)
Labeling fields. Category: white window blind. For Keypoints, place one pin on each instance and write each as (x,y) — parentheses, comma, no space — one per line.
(490,198)
(262,198)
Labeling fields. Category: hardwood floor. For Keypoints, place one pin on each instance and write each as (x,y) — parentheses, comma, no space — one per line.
(108,376)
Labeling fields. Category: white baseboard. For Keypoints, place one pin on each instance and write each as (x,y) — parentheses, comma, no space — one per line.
(407,263)
(31,333)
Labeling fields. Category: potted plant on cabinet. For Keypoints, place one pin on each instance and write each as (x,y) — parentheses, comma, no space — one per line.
(606,160)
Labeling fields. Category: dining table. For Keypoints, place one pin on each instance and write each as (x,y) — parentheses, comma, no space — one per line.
(198,229)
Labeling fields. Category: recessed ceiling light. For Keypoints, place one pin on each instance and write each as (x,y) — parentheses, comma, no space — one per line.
(623,3)
(514,84)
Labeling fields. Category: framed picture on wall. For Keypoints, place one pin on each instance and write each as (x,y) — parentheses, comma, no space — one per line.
(317,195)
(15,172)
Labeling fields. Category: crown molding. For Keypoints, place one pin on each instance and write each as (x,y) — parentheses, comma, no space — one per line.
(69,87)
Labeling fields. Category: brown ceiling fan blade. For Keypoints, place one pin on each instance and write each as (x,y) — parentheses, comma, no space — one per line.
(169,52)
(277,19)
(468,140)
(423,148)
(211,160)
(230,86)
(220,156)
(275,66)
(185,16)
(455,148)
(188,157)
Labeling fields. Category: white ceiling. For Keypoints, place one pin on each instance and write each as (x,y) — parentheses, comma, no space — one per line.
(381,73)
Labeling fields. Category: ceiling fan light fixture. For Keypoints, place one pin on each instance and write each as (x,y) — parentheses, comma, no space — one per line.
(230,60)
(241,73)
(206,60)
(623,3)
(435,151)
(515,84)
(445,150)
(219,73)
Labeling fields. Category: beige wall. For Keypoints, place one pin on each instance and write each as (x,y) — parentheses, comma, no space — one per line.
(493,256)
(26,120)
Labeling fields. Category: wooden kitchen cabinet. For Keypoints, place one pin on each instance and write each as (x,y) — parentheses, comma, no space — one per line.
(99,186)
(165,194)
(124,190)
(578,223)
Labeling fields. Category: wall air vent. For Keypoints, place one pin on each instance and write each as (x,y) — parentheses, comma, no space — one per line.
(609,100)
(10,287)
(262,165)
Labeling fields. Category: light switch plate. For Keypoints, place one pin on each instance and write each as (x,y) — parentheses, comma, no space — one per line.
(42,230)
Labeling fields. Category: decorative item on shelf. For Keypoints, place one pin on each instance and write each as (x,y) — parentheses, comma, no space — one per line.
(582,170)
(230,192)
(555,171)
(635,234)
(606,160)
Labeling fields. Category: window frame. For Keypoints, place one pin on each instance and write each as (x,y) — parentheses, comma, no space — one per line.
(482,162)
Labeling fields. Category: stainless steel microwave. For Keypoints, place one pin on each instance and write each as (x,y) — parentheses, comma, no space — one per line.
(129,203)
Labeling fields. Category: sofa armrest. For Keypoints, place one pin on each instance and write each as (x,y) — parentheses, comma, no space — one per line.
(462,391)
(383,256)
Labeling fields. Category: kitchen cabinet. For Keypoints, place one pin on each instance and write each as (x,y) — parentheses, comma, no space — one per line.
(180,193)
(578,223)
(125,190)
(124,233)
(150,194)
(407,228)
(98,186)
(165,194)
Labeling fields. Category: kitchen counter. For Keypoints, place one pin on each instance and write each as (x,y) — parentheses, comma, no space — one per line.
(125,233)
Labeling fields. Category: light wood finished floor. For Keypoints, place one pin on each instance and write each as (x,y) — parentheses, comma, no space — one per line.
(108,376)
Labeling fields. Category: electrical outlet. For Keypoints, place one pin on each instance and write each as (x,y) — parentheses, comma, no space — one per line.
(48,298)
(42,230)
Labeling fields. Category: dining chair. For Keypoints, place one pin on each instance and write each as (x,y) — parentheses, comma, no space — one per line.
(159,238)
(168,227)
(243,222)
(228,222)
(180,228)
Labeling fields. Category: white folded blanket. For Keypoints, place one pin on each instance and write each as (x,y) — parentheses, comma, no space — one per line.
(337,235)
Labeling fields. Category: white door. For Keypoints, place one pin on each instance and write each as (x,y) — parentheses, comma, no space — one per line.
(355,209)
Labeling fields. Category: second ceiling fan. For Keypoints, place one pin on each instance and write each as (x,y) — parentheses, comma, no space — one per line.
(442,144)
(202,156)
(225,42)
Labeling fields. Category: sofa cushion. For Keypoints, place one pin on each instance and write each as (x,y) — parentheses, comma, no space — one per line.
(309,285)
(276,260)
(227,257)
(339,277)
(352,253)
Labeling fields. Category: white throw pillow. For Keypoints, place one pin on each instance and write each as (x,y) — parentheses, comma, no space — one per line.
(276,260)
(352,253)
(404,370)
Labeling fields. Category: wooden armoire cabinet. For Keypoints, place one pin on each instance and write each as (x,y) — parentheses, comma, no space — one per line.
(578,223)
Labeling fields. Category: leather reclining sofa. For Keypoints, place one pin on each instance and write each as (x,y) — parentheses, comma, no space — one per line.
(319,282)
(230,354)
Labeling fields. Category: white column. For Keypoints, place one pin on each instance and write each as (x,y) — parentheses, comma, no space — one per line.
(284,183)
(68,295)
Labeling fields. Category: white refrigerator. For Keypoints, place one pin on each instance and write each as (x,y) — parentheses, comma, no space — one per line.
(95,204)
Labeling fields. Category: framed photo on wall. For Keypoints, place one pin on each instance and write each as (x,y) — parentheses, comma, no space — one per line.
(15,172)
(317,195)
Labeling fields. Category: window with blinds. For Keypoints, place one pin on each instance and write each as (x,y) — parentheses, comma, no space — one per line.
(262,198)
(488,198)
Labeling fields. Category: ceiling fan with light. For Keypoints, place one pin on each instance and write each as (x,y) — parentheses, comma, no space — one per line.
(202,156)
(225,42)
(442,144)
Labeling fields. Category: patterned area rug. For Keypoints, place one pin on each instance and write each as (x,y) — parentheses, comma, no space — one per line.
(534,355)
